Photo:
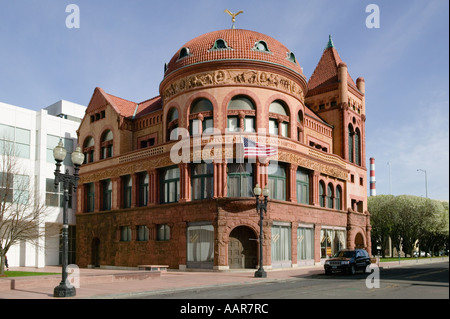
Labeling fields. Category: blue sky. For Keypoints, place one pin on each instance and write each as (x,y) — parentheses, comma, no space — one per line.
(122,45)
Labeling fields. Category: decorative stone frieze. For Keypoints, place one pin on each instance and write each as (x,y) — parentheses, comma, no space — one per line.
(233,77)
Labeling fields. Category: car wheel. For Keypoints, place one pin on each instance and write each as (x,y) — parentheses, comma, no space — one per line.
(327,272)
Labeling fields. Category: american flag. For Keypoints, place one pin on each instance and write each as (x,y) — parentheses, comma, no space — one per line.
(255,149)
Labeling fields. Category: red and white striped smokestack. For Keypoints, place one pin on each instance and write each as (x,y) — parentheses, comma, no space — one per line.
(373,190)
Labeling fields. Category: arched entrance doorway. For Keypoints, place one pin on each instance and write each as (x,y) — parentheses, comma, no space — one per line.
(95,252)
(242,248)
(359,241)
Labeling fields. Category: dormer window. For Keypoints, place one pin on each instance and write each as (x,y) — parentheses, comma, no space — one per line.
(220,44)
(291,57)
(184,52)
(261,46)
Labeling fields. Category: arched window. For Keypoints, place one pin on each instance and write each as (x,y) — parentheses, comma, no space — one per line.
(300,126)
(337,198)
(172,124)
(351,133)
(127,191)
(278,119)
(291,57)
(322,194)
(143,182)
(357,147)
(261,46)
(184,52)
(220,44)
(107,194)
(241,115)
(201,116)
(330,195)
(89,195)
(106,145)
(88,149)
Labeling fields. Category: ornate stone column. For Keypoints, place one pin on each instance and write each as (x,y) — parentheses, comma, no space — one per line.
(292,183)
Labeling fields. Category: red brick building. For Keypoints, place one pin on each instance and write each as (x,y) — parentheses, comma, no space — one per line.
(136,205)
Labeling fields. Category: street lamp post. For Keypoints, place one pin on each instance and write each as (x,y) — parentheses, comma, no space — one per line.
(426,183)
(65,289)
(261,208)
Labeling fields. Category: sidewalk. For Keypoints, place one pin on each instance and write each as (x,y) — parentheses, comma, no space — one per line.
(109,284)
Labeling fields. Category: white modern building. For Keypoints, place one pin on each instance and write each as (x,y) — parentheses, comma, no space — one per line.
(35,134)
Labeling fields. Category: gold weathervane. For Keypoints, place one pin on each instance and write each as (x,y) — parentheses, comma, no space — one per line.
(233,16)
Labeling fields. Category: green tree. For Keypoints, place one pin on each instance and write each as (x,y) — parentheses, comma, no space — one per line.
(382,220)
(435,235)
(409,220)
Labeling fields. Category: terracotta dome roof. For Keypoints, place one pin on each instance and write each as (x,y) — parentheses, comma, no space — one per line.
(233,44)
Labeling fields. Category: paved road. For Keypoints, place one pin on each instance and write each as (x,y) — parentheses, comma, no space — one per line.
(411,282)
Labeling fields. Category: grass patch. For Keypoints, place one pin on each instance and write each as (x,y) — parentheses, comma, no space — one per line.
(27,273)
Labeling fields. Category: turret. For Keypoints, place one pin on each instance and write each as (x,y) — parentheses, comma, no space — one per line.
(343,83)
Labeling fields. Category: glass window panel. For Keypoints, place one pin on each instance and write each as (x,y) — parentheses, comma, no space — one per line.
(195,127)
(173,115)
(196,188)
(7,146)
(305,243)
(233,186)
(200,246)
(278,108)
(241,103)
(302,176)
(246,186)
(273,127)
(281,243)
(107,136)
(125,233)
(271,183)
(249,124)
(23,150)
(280,189)
(51,199)
(233,124)
(172,173)
(6,132)
(284,129)
(52,141)
(338,198)
(142,233)
(209,187)
(50,186)
(172,190)
(202,105)
(240,179)
(208,125)
(22,135)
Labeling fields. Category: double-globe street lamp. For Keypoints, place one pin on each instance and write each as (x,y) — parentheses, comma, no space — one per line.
(261,208)
(65,289)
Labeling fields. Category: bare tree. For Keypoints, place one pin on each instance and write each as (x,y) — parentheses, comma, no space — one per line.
(22,215)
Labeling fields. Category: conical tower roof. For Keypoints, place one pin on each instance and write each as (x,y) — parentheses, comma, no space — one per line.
(325,74)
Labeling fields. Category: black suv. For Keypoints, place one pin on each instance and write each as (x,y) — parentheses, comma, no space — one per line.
(348,260)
